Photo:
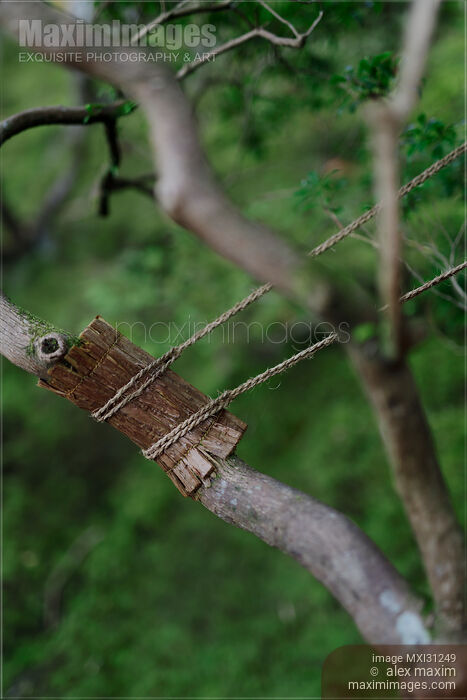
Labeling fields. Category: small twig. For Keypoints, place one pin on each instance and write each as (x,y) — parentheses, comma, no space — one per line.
(180,10)
(257,32)
(375,244)
(111,132)
(279,18)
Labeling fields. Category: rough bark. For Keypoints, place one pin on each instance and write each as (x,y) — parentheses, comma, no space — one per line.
(92,372)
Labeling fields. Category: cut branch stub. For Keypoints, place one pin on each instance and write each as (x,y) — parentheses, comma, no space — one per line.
(92,372)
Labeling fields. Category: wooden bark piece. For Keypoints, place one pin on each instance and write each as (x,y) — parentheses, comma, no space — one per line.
(91,373)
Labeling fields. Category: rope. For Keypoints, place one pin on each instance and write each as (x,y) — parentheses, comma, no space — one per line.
(436,280)
(416,182)
(222,401)
(161,364)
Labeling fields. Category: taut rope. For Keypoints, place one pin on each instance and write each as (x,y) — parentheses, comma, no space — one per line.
(222,401)
(155,369)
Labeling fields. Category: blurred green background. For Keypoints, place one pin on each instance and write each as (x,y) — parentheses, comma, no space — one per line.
(114,585)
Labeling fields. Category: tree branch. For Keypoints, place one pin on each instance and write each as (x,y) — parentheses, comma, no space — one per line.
(181,10)
(329,545)
(387,118)
(389,383)
(419,481)
(29,342)
(320,538)
(256,32)
(45,116)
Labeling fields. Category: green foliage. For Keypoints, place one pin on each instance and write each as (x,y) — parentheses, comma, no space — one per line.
(429,136)
(371,79)
(423,142)
(321,191)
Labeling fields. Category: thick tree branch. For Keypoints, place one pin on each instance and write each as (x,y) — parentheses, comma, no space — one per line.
(320,538)
(418,35)
(325,542)
(389,383)
(419,481)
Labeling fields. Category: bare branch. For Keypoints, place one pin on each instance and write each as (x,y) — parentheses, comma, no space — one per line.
(387,119)
(194,201)
(257,32)
(180,10)
(422,177)
(419,31)
(279,18)
(405,432)
(143,184)
(448,274)
(385,143)
(390,384)
(330,546)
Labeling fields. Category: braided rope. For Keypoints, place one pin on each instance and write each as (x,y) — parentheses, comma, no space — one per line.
(436,280)
(160,365)
(416,182)
(222,401)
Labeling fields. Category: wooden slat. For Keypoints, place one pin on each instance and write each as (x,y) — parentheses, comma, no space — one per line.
(92,372)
